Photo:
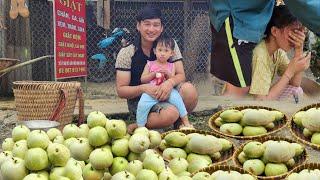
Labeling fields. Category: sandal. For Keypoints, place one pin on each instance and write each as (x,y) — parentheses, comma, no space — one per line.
(177,124)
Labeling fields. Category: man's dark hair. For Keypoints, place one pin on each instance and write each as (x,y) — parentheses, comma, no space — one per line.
(149,12)
(281,17)
(166,41)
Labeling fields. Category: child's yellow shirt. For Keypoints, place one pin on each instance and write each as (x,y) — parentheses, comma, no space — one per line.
(264,68)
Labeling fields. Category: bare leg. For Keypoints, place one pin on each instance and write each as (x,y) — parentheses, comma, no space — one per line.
(170,114)
(189,95)
(166,117)
(235,91)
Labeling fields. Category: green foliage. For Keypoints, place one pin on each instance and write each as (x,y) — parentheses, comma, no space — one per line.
(316,48)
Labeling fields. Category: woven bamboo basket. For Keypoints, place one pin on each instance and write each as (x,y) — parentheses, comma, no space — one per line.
(298,131)
(44,100)
(280,124)
(310,166)
(225,156)
(298,160)
(214,168)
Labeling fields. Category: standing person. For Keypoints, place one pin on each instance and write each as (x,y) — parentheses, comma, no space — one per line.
(156,72)
(130,63)
(283,33)
(237,26)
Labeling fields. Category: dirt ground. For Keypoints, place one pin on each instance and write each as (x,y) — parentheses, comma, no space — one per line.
(7,123)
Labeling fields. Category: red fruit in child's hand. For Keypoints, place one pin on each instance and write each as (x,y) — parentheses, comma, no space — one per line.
(159,78)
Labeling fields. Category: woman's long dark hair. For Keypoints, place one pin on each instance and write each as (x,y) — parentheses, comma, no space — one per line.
(281,17)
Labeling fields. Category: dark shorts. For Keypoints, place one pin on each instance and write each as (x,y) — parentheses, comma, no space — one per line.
(133,104)
(221,60)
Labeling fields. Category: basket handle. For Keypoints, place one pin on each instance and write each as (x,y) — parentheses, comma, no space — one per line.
(81,106)
(60,106)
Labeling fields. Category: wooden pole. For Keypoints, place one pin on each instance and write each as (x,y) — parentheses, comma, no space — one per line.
(107,14)
(100,13)
(4,80)
(4,71)
(3,29)
(187,61)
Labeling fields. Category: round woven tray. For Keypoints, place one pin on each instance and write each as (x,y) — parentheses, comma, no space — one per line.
(225,156)
(310,166)
(298,160)
(278,124)
(214,168)
(298,131)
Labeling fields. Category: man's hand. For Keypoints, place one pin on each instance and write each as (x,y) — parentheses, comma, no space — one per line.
(164,91)
(150,89)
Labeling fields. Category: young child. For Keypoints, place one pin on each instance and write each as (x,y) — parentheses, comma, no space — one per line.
(283,33)
(156,72)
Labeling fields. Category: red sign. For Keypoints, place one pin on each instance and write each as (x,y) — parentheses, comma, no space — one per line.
(70,38)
